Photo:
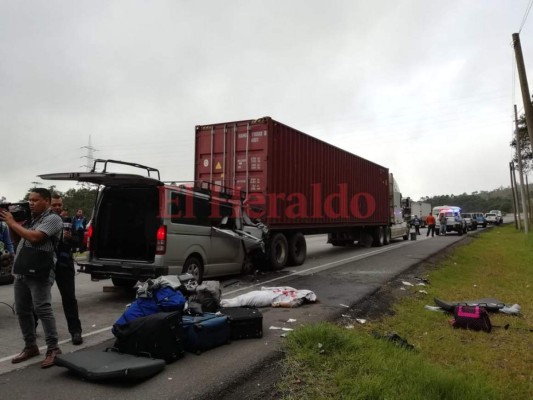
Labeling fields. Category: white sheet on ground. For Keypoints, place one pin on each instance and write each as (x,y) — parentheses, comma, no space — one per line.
(282,296)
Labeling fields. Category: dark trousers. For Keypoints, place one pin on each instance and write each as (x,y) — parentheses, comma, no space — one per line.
(431,228)
(417,229)
(65,283)
(80,233)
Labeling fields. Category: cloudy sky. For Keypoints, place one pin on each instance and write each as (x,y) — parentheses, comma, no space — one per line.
(425,88)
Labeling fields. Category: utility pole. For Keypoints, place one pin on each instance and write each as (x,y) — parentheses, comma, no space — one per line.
(528,201)
(516,208)
(526,97)
(520,174)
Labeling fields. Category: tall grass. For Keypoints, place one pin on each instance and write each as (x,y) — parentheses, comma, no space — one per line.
(326,361)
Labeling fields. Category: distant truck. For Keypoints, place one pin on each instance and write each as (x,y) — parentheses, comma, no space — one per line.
(298,185)
(422,210)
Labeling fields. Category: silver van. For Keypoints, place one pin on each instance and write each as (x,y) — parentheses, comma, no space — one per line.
(142,227)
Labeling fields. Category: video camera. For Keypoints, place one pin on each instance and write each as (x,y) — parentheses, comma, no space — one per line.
(21,211)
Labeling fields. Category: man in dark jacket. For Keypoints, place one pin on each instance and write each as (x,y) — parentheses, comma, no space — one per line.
(65,273)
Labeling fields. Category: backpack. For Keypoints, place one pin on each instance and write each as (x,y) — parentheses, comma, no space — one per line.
(475,318)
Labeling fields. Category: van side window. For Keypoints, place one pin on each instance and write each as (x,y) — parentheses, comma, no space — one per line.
(188,209)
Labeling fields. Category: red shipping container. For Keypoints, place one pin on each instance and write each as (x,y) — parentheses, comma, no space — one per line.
(292,180)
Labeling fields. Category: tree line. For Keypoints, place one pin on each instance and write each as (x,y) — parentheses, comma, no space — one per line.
(73,199)
(499,199)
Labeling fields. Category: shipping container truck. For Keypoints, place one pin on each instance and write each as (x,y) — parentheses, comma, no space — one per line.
(298,185)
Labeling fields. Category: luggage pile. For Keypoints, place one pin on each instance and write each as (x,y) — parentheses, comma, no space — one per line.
(168,318)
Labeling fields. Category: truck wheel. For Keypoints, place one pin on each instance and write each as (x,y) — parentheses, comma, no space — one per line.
(279,251)
(297,249)
(123,282)
(388,235)
(437,231)
(194,266)
(460,231)
(379,236)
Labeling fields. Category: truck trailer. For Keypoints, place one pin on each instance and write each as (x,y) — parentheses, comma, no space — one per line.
(422,210)
(297,185)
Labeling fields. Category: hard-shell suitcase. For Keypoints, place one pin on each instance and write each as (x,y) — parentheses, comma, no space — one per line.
(159,335)
(203,332)
(100,365)
(245,322)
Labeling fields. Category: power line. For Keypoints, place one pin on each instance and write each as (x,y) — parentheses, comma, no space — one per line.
(526,15)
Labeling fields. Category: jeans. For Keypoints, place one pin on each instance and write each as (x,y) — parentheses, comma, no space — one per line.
(35,294)
(431,228)
(443,229)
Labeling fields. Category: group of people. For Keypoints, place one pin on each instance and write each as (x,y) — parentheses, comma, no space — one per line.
(52,232)
(431,222)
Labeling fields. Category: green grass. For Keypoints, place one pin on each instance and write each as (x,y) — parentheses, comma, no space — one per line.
(326,361)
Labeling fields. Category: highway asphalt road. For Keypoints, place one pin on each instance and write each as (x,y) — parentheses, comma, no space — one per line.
(339,277)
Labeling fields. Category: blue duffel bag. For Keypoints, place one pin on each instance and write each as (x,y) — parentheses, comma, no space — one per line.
(164,298)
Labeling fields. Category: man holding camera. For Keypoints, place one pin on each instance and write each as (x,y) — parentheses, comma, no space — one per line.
(33,293)
(65,273)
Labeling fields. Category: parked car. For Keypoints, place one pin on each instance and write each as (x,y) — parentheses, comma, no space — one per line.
(143,228)
(471,222)
(499,216)
(491,218)
(480,218)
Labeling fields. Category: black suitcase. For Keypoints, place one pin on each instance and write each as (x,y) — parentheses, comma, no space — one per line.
(245,322)
(158,336)
(101,365)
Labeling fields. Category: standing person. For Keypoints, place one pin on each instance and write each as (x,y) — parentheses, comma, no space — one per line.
(79,223)
(416,223)
(431,222)
(442,220)
(65,273)
(6,245)
(7,253)
(33,293)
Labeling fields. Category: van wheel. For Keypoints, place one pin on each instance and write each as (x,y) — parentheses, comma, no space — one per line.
(123,282)
(279,251)
(194,266)
(297,249)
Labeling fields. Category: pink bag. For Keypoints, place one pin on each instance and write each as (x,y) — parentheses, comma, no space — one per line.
(475,318)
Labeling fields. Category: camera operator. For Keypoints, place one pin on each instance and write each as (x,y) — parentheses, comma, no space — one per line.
(65,273)
(34,293)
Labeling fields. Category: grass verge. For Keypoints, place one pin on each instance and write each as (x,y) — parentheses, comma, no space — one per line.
(328,361)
